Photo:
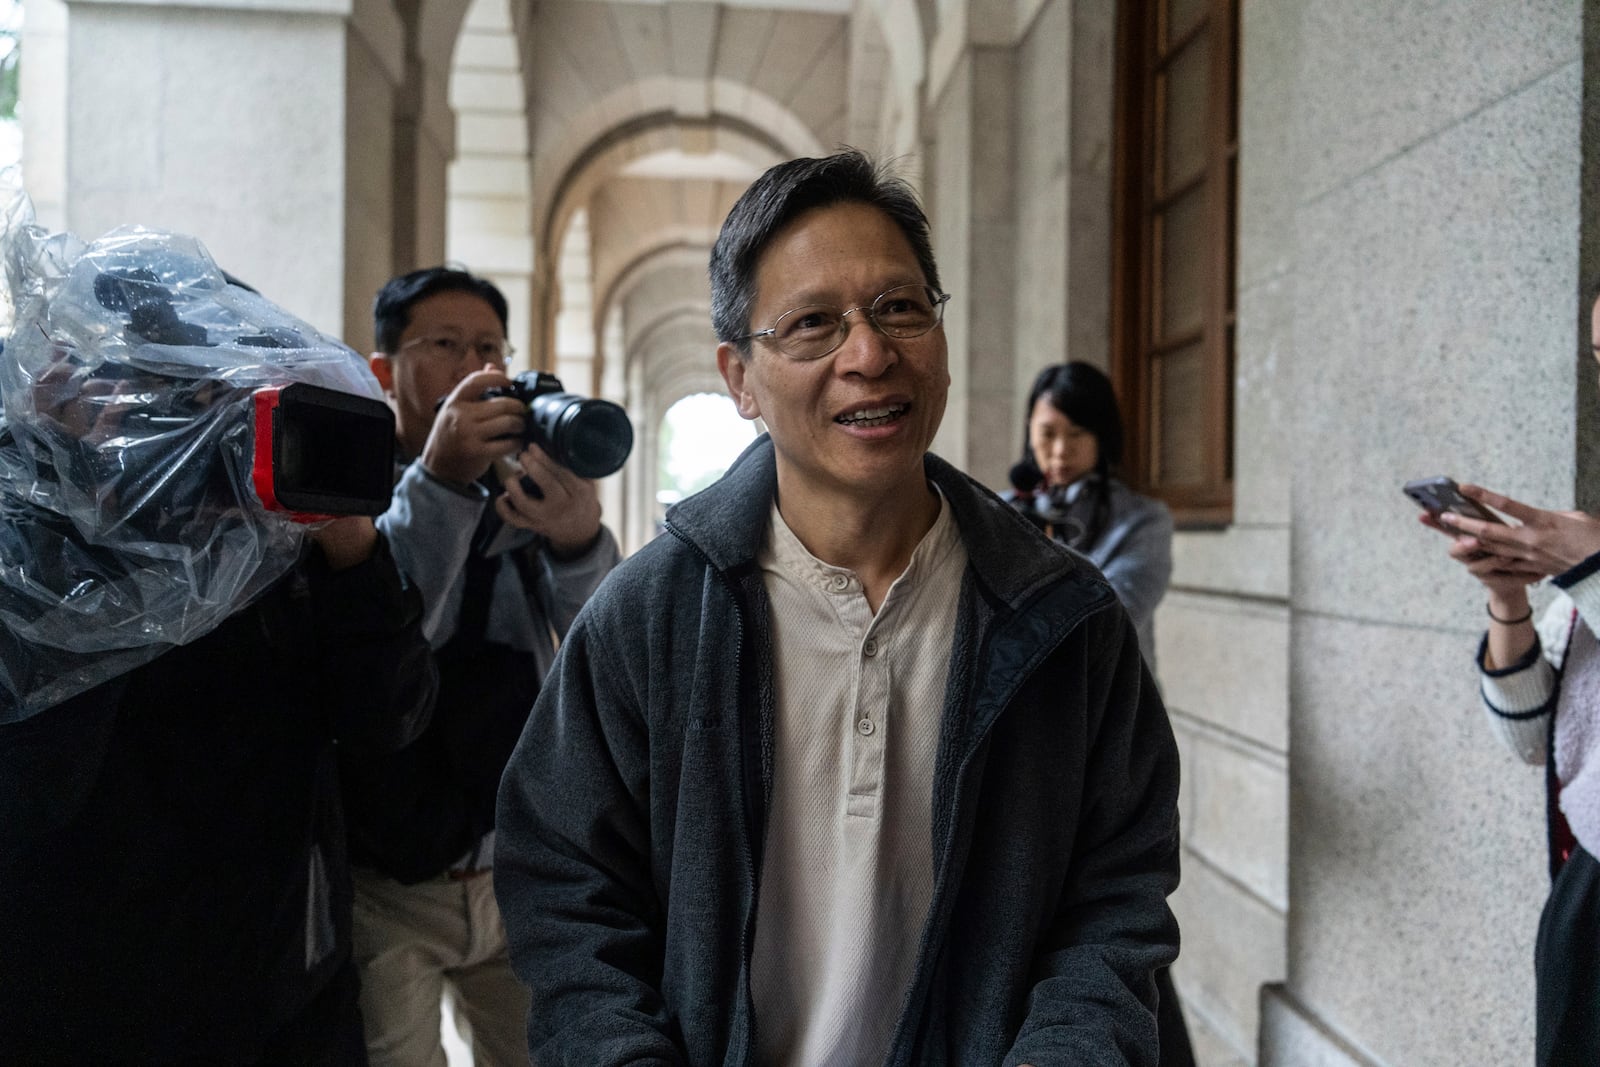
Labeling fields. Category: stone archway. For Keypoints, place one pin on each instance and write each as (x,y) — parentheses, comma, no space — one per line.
(648,201)
(671,360)
(667,350)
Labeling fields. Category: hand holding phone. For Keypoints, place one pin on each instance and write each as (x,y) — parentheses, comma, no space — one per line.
(1505,577)
(1532,539)
(1440,494)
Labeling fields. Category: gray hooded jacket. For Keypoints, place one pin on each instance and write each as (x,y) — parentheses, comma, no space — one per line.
(632,814)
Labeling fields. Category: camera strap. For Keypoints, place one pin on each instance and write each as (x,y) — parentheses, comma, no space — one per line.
(412,814)
(472,622)
(478,592)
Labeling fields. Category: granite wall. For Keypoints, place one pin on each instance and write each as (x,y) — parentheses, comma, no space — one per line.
(1409,281)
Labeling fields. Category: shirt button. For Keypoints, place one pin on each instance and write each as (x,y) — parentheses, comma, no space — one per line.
(870,649)
(840,582)
(866,727)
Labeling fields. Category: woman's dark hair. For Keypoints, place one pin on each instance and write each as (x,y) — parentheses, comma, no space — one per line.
(391,311)
(1083,393)
(781,195)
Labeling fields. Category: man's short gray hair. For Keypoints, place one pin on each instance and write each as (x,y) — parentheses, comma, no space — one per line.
(782,194)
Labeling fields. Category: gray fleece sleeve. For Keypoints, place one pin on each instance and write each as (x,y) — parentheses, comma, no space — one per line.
(1141,565)
(429,526)
(1094,998)
(568,584)
(585,925)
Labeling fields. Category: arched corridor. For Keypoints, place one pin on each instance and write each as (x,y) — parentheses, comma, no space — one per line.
(1385,211)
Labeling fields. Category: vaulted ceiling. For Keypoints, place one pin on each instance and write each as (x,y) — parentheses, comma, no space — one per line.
(600,143)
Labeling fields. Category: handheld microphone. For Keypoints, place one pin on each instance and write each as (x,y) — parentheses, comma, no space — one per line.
(1026,477)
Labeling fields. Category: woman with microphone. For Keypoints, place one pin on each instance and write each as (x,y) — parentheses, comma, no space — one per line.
(1065,485)
(1064,482)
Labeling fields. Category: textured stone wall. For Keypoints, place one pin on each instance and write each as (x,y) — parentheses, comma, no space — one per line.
(1417,273)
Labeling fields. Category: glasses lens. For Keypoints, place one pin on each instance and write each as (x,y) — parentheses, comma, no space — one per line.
(809,332)
(447,348)
(492,351)
(907,311)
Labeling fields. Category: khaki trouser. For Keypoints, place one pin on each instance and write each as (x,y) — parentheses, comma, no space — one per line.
(412,939)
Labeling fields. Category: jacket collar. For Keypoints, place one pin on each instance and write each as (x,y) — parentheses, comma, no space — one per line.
(727,520)
(1010,560)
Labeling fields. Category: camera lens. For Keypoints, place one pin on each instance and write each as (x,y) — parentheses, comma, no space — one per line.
(588,436)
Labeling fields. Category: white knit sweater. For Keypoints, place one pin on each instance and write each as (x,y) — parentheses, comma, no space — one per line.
(1520,701)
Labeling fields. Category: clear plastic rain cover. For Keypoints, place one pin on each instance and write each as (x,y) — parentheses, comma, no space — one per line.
(128,523)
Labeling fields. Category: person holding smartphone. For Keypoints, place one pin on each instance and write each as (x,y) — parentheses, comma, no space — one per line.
(1541,686)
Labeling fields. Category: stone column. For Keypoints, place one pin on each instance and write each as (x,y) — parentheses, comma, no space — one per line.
(1429,325)
(44,116)
(384,123)
(483,136)
(970,192)
(1018,119)
(615,491)
(261,127)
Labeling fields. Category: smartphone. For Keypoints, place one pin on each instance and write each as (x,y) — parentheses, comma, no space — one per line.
(1440,494)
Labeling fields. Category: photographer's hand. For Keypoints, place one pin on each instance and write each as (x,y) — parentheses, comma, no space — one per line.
(471,432)
(1547,542)
(565,508)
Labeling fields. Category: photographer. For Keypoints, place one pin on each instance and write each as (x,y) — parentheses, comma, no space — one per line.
(177,666)
(505,553)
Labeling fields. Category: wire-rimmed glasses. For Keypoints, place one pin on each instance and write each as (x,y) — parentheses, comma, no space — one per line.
(447,349)
(814,330)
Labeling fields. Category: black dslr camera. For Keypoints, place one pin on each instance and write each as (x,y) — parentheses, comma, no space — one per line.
(589,437)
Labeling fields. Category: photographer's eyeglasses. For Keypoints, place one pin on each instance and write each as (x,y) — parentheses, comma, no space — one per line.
(453,349)
(813,331)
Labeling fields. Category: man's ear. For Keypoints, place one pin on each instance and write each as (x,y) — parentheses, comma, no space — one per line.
(733,371)
(383,370)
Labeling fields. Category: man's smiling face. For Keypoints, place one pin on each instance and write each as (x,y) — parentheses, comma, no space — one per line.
(857,421)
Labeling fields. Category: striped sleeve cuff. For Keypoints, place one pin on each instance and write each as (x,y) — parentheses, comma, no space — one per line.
(1518,701)
(1521,690)
(1582,585)
(1567,579)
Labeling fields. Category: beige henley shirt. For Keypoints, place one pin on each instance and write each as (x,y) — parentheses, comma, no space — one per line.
(847,872)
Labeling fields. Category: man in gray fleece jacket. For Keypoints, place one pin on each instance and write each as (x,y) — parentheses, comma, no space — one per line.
(851,766)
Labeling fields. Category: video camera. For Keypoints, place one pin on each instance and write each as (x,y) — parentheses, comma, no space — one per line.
(320,452)
(588,436)
(162,425)
(317,452)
